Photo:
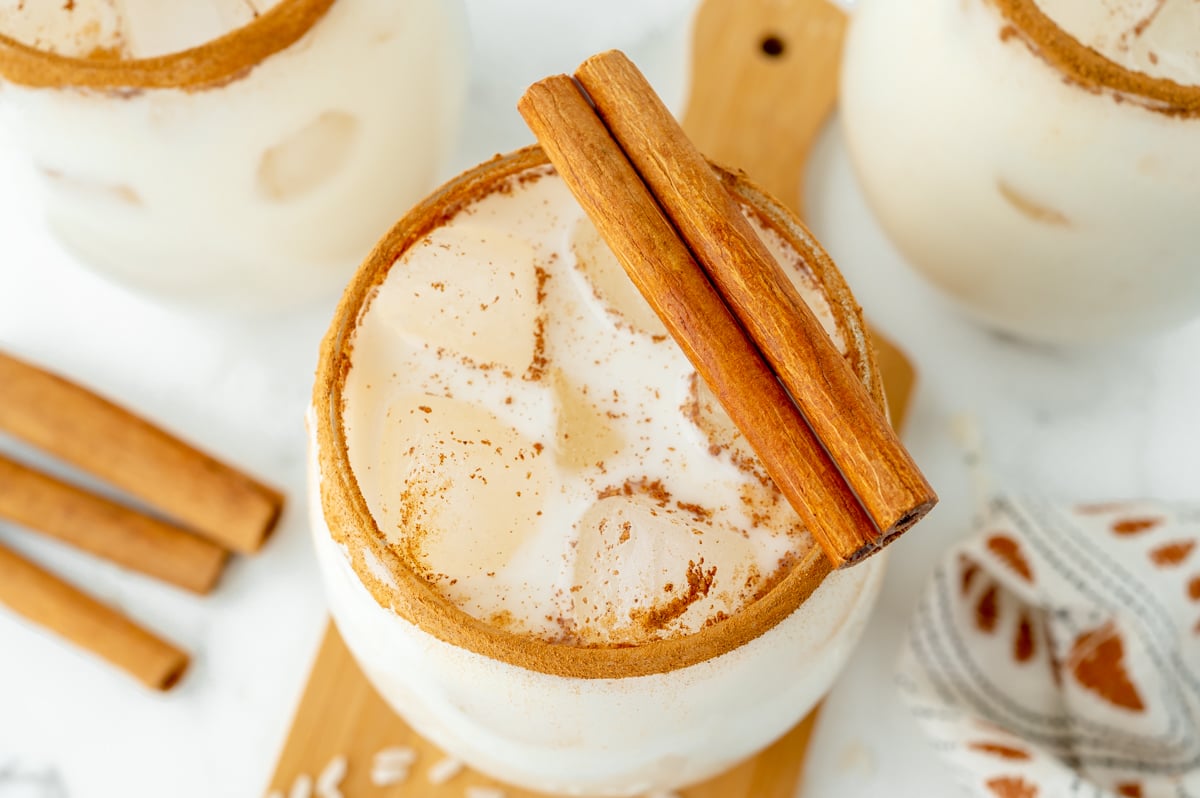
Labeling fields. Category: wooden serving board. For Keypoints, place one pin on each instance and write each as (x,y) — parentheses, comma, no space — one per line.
(751,107)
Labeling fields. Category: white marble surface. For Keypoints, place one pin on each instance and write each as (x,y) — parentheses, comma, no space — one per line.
(1108,423)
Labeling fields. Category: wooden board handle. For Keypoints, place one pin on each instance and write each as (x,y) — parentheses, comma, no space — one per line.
(764,81)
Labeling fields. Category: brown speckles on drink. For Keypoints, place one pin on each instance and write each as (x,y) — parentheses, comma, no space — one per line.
(702,410)
(699,512)
(537,367)
(502,619)
(656,618)
(1148,20)
(542,277)
(783,567)
(643,486)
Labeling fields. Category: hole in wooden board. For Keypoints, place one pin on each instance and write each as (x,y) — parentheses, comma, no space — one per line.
(773,46)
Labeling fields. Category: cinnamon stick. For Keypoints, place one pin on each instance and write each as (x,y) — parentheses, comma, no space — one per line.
(852,429)
(112,443)
(103,527)
(50,602)
(629,219)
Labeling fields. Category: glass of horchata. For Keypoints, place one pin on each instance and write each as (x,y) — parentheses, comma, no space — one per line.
(231,153)
(1036,159)
(543,540)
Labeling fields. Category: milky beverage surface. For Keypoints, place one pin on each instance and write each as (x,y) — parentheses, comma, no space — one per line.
(531,441)
(124,28)
(1156,37)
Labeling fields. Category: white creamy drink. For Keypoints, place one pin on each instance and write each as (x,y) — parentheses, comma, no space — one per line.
(1156,37)
(237,153)
(124,28)
(556,556)
(1036,159)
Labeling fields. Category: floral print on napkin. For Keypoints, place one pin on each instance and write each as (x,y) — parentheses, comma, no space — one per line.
(1057,653)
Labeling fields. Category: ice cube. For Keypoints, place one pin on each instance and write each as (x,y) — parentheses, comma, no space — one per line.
(610,284)
(308,158)
(584,435)
(470,290)
(644,565)
(724,438)
(459,490)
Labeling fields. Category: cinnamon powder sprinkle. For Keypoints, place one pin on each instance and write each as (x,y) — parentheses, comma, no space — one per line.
(537,366)
(643,486)
(700,582)
(698,512)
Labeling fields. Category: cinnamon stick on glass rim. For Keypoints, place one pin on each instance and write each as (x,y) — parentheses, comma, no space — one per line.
(107,529)
(835,404)
(63,419)
(50,602)
(638,232)
(818,477)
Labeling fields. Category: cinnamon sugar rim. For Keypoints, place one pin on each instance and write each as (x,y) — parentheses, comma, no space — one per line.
(1088,67)
(213,63)
(414,599)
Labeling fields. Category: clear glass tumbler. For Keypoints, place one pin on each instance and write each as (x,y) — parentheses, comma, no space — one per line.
(219,154)
(1035,159)
(555,714)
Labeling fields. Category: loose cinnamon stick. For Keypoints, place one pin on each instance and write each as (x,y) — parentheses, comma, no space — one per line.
(108,441)
(50,602)
(110,530)
(833,401)
(630,220)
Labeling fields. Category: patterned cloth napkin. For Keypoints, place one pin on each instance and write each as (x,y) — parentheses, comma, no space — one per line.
(1057,653)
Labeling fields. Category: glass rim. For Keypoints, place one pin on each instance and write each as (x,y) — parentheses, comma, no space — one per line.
(1088,67)
(351,524)
(216,62)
